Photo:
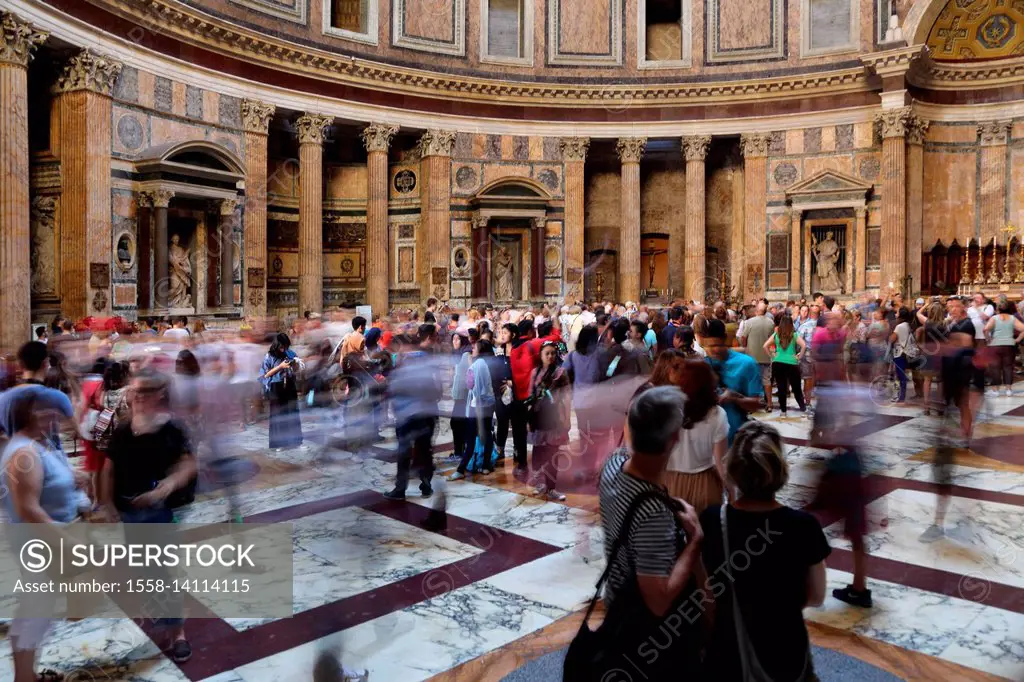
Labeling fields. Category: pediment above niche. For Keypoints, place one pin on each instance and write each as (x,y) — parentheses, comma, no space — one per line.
(828,182)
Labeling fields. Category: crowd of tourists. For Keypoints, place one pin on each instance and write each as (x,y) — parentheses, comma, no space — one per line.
(659,410)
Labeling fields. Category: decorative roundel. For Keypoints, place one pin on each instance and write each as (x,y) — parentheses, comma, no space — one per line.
(405,181)
(785,174)
(347,266)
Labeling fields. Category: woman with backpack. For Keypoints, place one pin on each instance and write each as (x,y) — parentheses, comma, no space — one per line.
(479,412)
(904,350)
(111,401)
(549,419)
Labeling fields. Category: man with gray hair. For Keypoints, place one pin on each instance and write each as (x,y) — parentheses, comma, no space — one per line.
(632,484)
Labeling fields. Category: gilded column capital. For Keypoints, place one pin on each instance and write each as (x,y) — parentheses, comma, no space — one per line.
(90,71)
(377,136)
(695,147)
(155,198)
(916,129)
(18,40)
(574,148)
(436,143)
(755,144)
(256,116)
(994,133)
(312,128)
(631,149)
(894,122)
(226,207)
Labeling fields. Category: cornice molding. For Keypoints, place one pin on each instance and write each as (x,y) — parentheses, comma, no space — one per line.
(574,148)
(87,70)
(312,128)
(977,74)
(195,27)
(18,40)
(631,149)
(377,136)
(256,116)
(894,62)
(695,147)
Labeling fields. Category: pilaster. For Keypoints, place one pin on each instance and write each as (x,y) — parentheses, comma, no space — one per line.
(256,117)
(377,139)
(630,150)
(894,124)
(695,285)
(311,130)
(574,156)
(916,129)
(755,210)
(436,151)
(993,136)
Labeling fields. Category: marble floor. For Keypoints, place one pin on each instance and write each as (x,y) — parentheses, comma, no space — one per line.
(408,604)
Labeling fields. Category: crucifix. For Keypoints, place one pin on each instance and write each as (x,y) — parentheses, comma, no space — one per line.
(651,255)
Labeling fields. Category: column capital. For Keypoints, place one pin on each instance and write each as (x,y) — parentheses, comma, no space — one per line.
(539,223)
(256,116)
(155,198)
(631,149)
(695,147)
(480,221)
(861,212)
(312,128)
(225,207)
(436,143)
(574,148)
(916,129)
(18,40)
(894,122)
(90,71)
(755,144)
(993,133)
(377,136)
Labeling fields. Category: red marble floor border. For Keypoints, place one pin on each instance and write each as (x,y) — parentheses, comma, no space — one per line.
(218,647)
(874,424)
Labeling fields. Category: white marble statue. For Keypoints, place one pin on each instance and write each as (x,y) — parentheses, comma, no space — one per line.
(504,275)
(826,253)
(180,273)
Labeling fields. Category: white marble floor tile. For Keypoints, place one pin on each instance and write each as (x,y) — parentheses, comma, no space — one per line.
(993,642)
(565,579)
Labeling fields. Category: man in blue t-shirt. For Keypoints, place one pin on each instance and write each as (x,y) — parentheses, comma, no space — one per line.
(739,377)
(34,360)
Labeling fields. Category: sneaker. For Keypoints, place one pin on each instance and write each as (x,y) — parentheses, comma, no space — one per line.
(992,393)
(540,490)
(395,494)
(457,476)
(782,415)
(932,534)
(426,490)
(1009,393)
(350,675)
(486,472)
(861,598)
(555,496)
(180,651)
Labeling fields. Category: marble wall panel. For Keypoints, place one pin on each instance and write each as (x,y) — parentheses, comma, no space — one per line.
(795,141)
(346,182)
(601,212)
(718,217)
(583,32)
(864,135)
(283,177)
(662,200)
(429,19)
(165,130)
(949,196)
(742,30)
(1016,186)
(829,25)
(495,171)
(292,10)
(837,162)
(964,134)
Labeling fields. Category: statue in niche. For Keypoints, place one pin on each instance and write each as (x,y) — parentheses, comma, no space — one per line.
(180,275)
(826,254)
(504,275)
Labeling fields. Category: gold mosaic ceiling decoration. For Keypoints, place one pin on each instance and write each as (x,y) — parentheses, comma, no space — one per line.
(978,29)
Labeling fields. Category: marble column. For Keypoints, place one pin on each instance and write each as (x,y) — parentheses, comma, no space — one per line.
(377,139)
(994,136)
(84,104)
(894,194)
(755,210)
(695,287)
(916,129)
(796,217)
(158,201)
(630,150)
(226,228)
(574,157)
(436,168)
(311,129)
(860,280)
(18,40)
(256,118)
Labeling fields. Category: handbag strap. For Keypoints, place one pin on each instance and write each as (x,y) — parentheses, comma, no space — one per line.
(742,642)
(621,541)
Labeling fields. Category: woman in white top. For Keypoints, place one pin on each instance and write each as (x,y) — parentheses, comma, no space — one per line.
(1004,332)
(694,467)
(902,338)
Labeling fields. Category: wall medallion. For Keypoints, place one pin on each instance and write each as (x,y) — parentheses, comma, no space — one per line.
(124,251)
(460,262)
(465,177)
(785,174)
(548,178)
(552,260)
(869,168)
(130,133)
(405,181)
(278,265)
(99,301)
(406,231)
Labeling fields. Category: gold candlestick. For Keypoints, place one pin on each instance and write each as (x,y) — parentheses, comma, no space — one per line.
(965,269)
(993,275)
(1020,261)
(979,276)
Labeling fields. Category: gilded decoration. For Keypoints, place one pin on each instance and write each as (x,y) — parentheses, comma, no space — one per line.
(754,145)
(18,40)
(994,133)
(312,128)
(89,71)
(631,149)
(978,29)
(377,137)
(256,116)
(436,143)
(574,148)
(695,147)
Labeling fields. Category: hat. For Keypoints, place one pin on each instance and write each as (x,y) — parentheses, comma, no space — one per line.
(919,302)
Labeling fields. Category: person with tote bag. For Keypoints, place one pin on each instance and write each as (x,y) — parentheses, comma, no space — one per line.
(765,562)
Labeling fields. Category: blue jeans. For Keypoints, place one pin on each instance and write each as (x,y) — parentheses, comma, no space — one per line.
(901,375)
(134,534)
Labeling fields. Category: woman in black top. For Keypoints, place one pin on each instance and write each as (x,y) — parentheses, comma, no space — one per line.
(501,375)
(931,336)
(776,565)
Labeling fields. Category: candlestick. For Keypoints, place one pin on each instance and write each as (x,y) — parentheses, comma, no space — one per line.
(979,276)
(1020,261)
(965,268)
(1006,279)
(993,275)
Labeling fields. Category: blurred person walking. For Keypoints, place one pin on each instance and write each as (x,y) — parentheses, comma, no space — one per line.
(549,420)
(281,388)
(739,378)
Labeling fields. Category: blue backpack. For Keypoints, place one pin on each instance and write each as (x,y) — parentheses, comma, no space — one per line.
(476,462)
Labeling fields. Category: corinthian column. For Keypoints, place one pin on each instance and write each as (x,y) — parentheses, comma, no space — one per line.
(574,156)
(18,41)
(84,106)
(227,208)
(436,152)
(256,123)
(695,149)
(755,210)
(630,151)
(916,129)
(377,139)
(993,136)
(894,123)
(311,129)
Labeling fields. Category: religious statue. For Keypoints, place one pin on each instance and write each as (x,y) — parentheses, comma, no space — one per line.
(826,253)
(504,275)
(180,275)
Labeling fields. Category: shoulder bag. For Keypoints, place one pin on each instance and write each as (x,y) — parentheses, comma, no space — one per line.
(752,670)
